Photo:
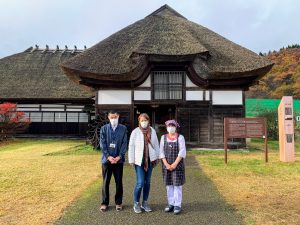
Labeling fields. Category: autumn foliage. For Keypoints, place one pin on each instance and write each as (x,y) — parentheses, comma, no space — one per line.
(11,121)
(283,79)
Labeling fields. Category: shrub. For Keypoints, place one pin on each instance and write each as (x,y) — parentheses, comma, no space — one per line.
(272,123)
(11,121)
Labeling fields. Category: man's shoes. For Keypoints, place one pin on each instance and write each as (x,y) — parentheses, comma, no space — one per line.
(119,207)
(103,208)
(169,208)
(146,207)
(177,210)
(137,207)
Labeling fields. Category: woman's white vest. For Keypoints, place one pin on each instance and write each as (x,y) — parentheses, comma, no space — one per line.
(136,147)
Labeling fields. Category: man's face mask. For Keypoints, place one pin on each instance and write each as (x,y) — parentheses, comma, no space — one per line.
(114,122)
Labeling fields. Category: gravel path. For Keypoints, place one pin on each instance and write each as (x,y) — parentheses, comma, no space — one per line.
(202,203)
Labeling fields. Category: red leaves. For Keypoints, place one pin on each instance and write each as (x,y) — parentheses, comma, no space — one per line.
(7,107)
(9,113)
(11,121)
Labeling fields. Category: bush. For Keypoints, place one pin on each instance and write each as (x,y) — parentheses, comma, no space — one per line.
(11,121)
(272,123)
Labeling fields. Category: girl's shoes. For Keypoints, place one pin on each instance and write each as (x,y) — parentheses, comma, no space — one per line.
(177,210)
(169,208)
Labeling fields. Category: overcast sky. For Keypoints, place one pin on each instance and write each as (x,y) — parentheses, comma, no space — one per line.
(259,25)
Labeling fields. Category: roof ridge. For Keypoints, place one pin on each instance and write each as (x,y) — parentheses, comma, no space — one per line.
(165,8)
(54,50)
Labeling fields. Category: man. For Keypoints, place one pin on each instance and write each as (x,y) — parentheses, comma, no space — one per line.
(113,143)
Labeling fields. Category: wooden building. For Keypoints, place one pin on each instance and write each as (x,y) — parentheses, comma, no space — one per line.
(34,80)
(170,67)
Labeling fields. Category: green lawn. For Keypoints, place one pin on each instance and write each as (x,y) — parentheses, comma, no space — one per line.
(39,178)
(265,193)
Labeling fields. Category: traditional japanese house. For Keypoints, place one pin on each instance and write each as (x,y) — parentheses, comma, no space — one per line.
(34,80)
(170,67)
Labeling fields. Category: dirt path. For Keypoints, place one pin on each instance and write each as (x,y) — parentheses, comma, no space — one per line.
(202,204)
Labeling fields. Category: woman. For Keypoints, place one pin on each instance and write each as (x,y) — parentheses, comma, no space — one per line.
(172,153)
(143,152)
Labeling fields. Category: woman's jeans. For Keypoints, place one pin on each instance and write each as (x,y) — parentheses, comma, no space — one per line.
(143,180)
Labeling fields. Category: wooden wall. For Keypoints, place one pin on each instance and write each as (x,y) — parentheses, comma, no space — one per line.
(203,126)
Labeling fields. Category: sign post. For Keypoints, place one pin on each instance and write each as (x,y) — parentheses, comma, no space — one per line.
(286,129)
(245,128)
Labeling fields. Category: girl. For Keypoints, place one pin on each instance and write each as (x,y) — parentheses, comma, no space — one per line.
(172,153)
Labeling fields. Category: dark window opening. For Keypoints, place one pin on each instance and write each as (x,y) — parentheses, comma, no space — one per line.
(168,85)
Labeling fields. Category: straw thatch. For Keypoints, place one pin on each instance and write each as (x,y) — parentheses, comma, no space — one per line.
(35,74)
(165,35)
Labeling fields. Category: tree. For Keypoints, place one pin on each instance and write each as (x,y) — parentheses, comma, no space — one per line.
(284,77)
(272,123)
(11,121)
(93,132)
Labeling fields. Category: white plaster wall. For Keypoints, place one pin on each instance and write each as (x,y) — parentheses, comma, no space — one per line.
(142,95)
(189,83)
(147,82)
(207,95)
(114,97)
(194,95)
(227,98)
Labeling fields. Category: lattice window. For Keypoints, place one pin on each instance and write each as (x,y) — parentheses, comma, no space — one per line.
(168,85)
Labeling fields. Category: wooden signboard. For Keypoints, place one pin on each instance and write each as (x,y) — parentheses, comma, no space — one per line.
(245,128)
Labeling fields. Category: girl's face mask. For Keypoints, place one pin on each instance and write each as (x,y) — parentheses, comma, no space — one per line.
(171,129)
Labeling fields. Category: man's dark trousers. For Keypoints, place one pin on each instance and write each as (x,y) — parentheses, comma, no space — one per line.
(117,170)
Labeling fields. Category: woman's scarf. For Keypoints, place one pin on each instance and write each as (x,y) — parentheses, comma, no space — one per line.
(147,140)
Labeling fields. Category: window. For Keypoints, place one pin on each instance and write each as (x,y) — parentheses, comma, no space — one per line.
(36,117)
(168,84)
(60,117)
(72,117)
(48,117)
(83,118)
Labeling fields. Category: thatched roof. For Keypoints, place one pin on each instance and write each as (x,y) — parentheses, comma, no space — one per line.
(164,35)
(35,74)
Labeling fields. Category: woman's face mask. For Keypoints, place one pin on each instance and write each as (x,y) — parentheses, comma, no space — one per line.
(171,129)
(144,124)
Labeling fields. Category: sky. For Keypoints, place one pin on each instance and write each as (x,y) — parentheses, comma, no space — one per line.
(259,25)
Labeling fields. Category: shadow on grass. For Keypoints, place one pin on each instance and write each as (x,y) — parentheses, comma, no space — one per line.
(81,149)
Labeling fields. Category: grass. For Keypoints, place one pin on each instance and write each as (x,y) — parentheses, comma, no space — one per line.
(81,149)
(39,178)
(264,193)
(84,202)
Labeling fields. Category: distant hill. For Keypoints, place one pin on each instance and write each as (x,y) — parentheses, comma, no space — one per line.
(283,79)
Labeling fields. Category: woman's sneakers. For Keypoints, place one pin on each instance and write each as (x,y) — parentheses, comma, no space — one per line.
(169,208)
(175,209)
(137,207)
(146,207)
